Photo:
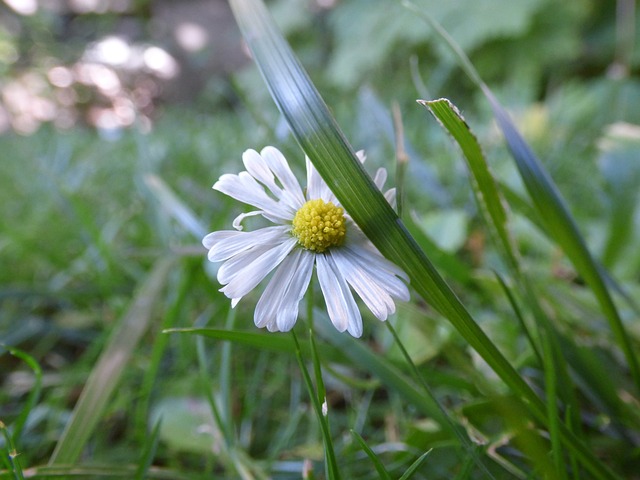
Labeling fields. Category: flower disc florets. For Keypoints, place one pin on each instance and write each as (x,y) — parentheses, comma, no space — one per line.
(319,225)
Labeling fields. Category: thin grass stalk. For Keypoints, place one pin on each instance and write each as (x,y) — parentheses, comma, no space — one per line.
(331,465)
(550,381)
(32,397)
(11,459)
(462,437)
(158,350)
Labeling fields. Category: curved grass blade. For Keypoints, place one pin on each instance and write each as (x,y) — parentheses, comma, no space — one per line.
(109,368)
(324,143)
(34,393)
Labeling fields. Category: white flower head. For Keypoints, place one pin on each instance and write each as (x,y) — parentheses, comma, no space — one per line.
(309,228)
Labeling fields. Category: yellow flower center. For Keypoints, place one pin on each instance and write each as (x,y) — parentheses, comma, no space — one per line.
(319,225)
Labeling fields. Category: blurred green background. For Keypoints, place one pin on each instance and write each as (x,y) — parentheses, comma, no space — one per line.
(117,116)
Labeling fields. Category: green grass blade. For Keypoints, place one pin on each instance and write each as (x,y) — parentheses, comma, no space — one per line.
(550,380)
(107,372)
(493,206)
(34,394)
(322,140)
(382,472)
(485,188)
(331,464)
(11,459)
(149,452)
(266,341)
(415,466)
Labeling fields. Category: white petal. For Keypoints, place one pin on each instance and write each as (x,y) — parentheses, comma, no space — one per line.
(380,178)
(277,308)
(259,169)
(361,156)
(360,246)
(390,196)
(378,269)
(341,305)
(244,188)
(251,275)
(374,294)
(278,165)
(316,187)
(238,263)
(227,243)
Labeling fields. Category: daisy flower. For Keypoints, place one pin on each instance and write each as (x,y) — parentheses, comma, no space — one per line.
(309,227)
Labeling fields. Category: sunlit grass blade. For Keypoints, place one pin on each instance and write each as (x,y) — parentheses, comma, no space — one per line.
(548,201)
(382,471)
(322,140)
(106,374)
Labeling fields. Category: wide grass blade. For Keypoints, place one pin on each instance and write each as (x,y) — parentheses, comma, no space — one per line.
(324,143)
(107,372)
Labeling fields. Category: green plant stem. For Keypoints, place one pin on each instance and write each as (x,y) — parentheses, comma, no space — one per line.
(331,464)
